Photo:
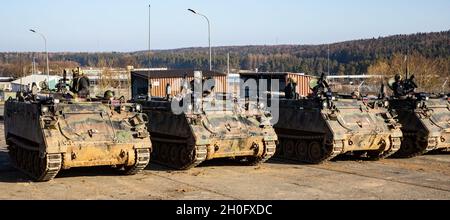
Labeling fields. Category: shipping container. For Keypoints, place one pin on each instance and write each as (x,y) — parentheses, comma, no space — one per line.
(153,83)
(302,81)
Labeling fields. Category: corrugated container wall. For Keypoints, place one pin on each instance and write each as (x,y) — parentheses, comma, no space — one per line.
(302,83)
(302,80)
(159,85)
(158,81)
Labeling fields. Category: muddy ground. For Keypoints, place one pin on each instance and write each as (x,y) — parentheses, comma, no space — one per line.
(425,177)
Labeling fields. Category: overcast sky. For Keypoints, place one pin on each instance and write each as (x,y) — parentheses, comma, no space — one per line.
(119,25)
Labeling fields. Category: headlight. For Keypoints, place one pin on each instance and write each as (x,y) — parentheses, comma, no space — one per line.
(427,98)
(138,107)
(333,98)
(56,101)
(44,109)
(419,104)
(386,104)
(325,105)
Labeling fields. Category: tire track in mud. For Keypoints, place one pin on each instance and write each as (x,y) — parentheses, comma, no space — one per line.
(317,167)
(193,186)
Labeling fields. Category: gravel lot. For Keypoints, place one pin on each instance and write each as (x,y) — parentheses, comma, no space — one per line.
(425,177)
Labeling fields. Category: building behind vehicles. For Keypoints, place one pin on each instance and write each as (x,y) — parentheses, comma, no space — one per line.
(210,125)
(323,125)
(301,90)
(51,131)
(425,118)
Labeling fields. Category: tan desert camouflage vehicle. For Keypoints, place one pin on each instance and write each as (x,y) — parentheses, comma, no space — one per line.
(425,120)
(320,127)
(48,133)
(208,130)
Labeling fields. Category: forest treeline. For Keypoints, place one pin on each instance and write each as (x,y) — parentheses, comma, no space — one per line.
(351,57)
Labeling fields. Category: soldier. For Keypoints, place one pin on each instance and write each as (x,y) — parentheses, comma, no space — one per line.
(75,76)
(109,95)
(409,85)
(168,91)
(83,86)
(34,89)
(290,90)
(397,87)
(322,86)
(80,85)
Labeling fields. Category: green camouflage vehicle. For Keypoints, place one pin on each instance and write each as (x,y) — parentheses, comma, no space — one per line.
(425,118)
(208,128)
(324,125)
(50,132)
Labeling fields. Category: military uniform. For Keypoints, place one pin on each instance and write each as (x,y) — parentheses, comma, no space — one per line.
(80,85)
(83,87)
(289,91)
(397,87)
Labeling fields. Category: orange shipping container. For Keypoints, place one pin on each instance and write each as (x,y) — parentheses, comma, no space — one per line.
(154,82)
(302,80)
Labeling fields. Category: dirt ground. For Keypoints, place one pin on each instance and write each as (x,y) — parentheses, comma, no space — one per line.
(425,177)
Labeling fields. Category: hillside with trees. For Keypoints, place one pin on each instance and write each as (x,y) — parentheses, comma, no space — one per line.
(377,56)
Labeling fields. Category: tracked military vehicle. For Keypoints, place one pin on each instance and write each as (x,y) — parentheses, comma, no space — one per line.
(324,125)
(51,131)
(208,128)
(425,118)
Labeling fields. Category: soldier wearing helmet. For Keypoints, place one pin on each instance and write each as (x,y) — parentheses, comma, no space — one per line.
(397,87)
(290,89)
(109,95)
(409,85)
(80,85)
(322,86)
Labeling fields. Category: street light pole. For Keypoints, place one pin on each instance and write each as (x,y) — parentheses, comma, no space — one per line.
(209,36)
(46,52)
(149,35)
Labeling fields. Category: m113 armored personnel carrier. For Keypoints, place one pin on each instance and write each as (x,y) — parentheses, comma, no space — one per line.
(425,118)
(52,131)
(324,125)
(209,127)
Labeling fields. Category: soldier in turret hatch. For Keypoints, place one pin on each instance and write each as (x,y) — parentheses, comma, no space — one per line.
(322,86)
(397,87)
(290,89)
(409,85)
(80,85)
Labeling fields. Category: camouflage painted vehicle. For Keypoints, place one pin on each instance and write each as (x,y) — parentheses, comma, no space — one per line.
(47,133)
(425,120)
(208,129)
(320,127)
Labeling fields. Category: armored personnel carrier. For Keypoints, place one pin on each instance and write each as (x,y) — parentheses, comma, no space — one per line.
(50,131)
(209,127)
(324,125)
(425,118)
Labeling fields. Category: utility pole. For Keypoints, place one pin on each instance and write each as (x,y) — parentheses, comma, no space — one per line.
(228,63)
(33,67)
(46,51)
(209,36)
(149,49)
(149,35)
(328,60)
